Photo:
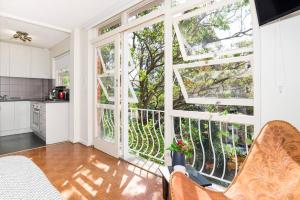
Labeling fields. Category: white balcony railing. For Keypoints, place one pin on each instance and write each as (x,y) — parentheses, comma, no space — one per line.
(219,143)
(146,134)
(219,147)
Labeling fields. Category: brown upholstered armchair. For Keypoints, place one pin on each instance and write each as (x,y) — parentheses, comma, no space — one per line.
(270,171)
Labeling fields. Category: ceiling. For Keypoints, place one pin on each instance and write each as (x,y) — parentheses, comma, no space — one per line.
(63,14)
(41,36)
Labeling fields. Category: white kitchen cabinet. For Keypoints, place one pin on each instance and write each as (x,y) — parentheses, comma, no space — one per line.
(7,116)
(57,122)
(4,59)
(20,61)
(22,115)
(24,61)
(40,63)
(50,121)
(14,117)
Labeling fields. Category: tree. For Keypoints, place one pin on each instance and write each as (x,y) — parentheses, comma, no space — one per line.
(201,34)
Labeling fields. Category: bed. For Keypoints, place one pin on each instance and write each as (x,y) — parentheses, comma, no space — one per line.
(21,179)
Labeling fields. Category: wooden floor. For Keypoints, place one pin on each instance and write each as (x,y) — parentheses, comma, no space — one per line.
(80,172)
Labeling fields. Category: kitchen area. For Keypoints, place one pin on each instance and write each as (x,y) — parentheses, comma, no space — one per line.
(34,86)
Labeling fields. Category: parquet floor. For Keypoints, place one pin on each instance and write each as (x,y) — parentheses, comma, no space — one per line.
(81,172)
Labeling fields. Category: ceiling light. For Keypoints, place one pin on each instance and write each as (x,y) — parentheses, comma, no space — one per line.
(22,36)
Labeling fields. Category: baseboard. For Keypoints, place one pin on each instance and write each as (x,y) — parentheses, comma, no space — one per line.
(84,142)
(15,132)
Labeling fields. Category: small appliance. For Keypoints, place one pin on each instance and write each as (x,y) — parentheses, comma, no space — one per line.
(59,93)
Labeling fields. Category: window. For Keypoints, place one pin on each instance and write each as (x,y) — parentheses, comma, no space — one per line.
(217,29)
(145,8)
(226,82)
(207,63)
(109,25)
(215,42)
(146,67)
(61,70)
(63,78)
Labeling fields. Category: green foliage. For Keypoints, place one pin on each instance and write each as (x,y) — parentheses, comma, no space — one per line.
(108,55)
(206,32)
(147,52)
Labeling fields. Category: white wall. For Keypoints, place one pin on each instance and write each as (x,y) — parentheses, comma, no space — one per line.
(86,117)
(280,71)
(81,88)
(81,106)
(87,88)
(60,48)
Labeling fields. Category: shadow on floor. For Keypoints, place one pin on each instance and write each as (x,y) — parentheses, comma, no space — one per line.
(85,173)
(19,142)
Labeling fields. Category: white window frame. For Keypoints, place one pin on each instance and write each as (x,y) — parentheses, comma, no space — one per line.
(199,11)
(110,73)
(132,99)
(109,23)
(109,98)
(142,6)
(105,70)
(216,101)
(167,13)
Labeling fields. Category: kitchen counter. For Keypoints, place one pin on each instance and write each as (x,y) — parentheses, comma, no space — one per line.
(50,101)
(36,100)
(50,121)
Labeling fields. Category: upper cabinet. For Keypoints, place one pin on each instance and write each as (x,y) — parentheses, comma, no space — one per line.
(4,59)
(20,58)
(24,61)
(40,63)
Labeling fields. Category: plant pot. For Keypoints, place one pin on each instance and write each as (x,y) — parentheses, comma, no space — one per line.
(178,158)
(231,162)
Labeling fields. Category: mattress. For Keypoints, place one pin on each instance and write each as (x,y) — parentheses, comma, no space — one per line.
(21,179)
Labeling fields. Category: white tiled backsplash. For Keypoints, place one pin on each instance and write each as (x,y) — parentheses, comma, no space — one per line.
(25,88)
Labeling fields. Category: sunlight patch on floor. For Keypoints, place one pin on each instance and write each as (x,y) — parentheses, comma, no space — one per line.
(65,183)
(100,165)
(86,186)
(85,172)
(99,181)
(134,187)
(123,180)
(114,173)
(70,193)
(108,188)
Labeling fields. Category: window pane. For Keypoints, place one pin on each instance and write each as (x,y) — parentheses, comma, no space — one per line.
(108,86)
(146,72)
(108,56)
(99,64)
(224,81)
(224,29)
(146,9)
(101,95)
(109,27)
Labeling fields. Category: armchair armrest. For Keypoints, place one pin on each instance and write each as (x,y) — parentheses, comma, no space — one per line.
(183,188)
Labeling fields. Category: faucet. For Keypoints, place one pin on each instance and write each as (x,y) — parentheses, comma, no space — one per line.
(3,98)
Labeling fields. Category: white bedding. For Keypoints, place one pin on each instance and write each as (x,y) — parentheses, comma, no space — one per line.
(21,179)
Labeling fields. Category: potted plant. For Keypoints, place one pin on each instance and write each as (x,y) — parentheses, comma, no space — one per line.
(234,156)
(180,150)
